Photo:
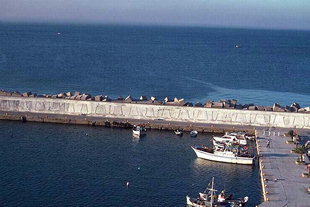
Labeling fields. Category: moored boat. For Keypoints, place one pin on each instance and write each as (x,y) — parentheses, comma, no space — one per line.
(178,132)
(230,154)
(193,133)
(210,199)
(231,138)
(138,131)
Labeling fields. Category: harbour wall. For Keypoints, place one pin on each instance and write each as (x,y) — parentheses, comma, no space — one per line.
(85,111)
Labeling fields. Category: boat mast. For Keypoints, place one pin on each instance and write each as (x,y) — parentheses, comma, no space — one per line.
(212,190)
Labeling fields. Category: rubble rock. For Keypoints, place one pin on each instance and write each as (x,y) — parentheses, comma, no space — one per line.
(217,105)
(143,98)
(198,104)
(61,95)
(276,107)
(208,104)
(26,94)
(98,98)
(85,97)
(252,108)
(128,99)
(296,105)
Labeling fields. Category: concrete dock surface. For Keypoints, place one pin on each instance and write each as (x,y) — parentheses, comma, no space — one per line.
(282,181)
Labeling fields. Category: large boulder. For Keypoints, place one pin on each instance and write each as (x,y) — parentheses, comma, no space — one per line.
(296,105)
(288,109)
(128,99)
(167,99)
(78,97)
(61,95)
(233,102)
(16,94)
(252,108)
(85,97)
(26,94)
(208,104)
(198,104)
(143,98)
(260,108)
(301,110)
(177,101)
(77,93)
(188,104)
(68,94)
(278,108)
(153,98)
(106,98)
(98,98)
(217,104)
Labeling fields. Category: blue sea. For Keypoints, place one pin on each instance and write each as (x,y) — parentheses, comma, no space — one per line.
(67,165)
(194,63)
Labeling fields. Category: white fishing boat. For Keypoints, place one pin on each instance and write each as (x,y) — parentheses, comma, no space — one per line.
(210,199)
(230,154)
(193,133)
(231,138)
(178,132)
(138,131)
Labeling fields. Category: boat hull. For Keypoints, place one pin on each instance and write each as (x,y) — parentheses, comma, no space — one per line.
(222,158)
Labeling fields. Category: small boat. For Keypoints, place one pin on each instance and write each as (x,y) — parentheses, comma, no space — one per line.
(193,133)
(210,199)
(238,46)
(138,131)
(229,154)
(231,138)
(178,132)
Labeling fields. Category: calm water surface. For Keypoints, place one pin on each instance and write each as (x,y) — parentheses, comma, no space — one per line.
(67,165)
(194,63)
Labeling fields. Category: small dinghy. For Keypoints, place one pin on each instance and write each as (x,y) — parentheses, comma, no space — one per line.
(193,133)
(178,132)
(138,131)
(210,199)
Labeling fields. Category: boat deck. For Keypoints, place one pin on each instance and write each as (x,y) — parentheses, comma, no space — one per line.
(282,181)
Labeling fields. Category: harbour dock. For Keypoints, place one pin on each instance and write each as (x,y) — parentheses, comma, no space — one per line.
(282,181)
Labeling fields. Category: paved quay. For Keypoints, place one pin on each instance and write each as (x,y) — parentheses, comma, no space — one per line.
(282,181)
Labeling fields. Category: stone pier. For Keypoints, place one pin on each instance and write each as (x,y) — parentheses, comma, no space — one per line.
(282,181)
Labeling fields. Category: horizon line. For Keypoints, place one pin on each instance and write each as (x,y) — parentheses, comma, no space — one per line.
(144,24)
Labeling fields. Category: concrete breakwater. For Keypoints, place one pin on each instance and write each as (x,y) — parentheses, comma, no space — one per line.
(120,113)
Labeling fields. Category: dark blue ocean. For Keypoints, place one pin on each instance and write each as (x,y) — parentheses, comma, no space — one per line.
(186,62)
(61,165)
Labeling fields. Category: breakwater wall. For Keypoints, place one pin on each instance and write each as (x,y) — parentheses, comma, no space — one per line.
(99,113)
